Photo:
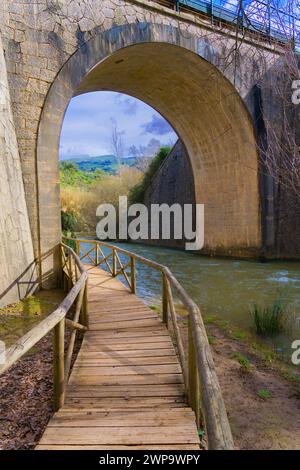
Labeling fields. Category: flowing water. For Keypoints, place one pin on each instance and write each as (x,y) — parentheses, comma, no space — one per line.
(226,288)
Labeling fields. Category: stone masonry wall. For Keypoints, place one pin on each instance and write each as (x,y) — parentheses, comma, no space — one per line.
(18,274)
(172,183)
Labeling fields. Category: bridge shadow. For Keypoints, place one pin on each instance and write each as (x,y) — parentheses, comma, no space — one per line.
(25,284)
(30,280)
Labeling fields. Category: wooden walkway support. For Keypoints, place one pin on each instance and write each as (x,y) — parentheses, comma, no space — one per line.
(126,388)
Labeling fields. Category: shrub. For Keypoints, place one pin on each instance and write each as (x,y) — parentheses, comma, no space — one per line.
(137,192)
(68,221)
(269,320)
(264,394)
(71,175)
(82,201)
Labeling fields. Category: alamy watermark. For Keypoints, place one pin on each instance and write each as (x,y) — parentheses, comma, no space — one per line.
(296,354)
(137,222)
(296,92)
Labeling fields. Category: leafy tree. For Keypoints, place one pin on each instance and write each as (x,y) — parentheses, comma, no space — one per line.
(71,175)
(137,193)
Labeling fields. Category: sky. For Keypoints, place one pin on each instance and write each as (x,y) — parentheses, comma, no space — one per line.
(87,125)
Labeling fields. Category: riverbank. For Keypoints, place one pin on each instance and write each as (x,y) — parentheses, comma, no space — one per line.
(261,393)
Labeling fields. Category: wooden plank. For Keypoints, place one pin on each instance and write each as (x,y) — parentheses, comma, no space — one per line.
(129,340)
(149,379)
(94,346)
(117,447)
(126,370)
(125,361)
(174,413)
(90,420)
(127,353)
(129,333)
(120,325)
(108,435)
(126,391)
(117,307)
(125,317)
(136,403)
(151,343)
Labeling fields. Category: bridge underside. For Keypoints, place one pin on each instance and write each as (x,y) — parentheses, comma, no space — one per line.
(211,120)
(200,104)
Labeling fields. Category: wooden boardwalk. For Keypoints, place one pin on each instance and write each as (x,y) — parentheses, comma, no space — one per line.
(126,387)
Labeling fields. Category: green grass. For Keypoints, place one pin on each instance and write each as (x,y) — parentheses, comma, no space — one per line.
(211,339)
(242,360)
(269,320)
(155,308)
(240,335)
(209,319)
(264,394)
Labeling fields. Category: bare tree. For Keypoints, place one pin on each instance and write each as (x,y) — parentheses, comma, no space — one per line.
(117,144)
(282,155)
(279,151)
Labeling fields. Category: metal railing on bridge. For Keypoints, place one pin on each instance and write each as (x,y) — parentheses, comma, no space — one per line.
(279,21)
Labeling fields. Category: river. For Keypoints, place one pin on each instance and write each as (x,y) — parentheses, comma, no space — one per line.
(226,288)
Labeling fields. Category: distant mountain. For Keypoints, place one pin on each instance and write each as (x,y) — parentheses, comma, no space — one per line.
(107,163)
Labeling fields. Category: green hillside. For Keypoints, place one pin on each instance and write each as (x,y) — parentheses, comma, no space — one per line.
(107,163)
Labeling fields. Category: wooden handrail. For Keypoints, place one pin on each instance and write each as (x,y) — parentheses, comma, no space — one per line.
(56,322)
(201,381)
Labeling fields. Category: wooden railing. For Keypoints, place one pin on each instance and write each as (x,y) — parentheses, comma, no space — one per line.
(74,278)
(200,378)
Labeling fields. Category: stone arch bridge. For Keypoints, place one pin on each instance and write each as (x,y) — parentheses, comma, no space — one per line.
(201,77)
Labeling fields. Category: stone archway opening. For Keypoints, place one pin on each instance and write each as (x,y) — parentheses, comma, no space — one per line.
(201,105)
(110,144)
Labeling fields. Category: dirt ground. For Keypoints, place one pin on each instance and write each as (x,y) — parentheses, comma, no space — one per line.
(26,399)
(271,422)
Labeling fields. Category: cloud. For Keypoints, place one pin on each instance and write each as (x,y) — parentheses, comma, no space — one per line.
(157,126)
(127,104)
(87,124)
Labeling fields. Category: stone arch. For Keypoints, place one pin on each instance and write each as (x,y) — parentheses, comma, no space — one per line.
(177,75)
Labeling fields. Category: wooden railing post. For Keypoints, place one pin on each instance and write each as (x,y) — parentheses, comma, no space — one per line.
(164,299)
(65,282)
(70,349)
(96,254)
(77,248)
(132,275)
(58,364)
(84,308)
(114,267)
(193,376)
(70,283)
(61,272)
